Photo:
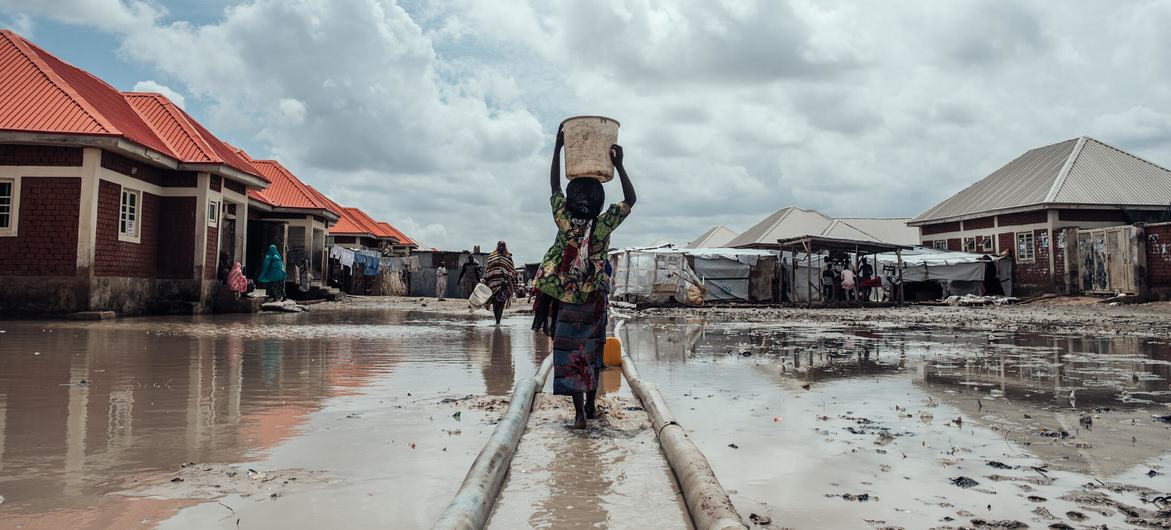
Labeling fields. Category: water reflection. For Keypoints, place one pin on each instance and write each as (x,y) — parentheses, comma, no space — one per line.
(87,407)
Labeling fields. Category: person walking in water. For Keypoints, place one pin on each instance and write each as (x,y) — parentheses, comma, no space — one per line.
(571,303)
(441,282)
(272,274)
(500,275)
(469,276)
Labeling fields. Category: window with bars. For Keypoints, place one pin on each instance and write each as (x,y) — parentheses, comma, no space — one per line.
(213,213)
(969,244)
(1024,246)
(128,214)
(939,244)
(7,204)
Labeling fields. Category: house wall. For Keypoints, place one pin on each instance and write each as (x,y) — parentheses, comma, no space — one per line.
(1158,253)
(113,257)
(39,266)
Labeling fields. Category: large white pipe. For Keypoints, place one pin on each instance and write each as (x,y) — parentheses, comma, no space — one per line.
(707,502)
(473,503)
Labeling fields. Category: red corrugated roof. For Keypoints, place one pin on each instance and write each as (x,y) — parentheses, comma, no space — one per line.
(34,98)
(347,224)
(42,93)
(187,138)
(287,190)
(370,224)
(396,233)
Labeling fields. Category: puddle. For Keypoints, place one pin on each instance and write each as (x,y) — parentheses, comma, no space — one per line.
(858,427)
(352,412)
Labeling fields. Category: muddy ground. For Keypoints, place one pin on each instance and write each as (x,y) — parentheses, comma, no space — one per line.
(369,412)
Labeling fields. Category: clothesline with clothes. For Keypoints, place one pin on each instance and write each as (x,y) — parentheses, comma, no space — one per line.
(371,261)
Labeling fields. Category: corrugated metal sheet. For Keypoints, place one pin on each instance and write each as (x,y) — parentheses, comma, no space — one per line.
(368,223)
(1080,171)
(104,100)
(171,127)
(785,223)
(397,234)
(1102,174)
(221,148)
(285,189)
(715,237)
(347,224)
(36,99)
(1022,182)
(884,229)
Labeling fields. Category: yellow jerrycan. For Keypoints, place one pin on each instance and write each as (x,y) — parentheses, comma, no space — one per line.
(612,353)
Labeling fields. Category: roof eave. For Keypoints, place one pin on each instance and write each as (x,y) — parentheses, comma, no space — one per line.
(247,179)
(1031,207)
(111,142)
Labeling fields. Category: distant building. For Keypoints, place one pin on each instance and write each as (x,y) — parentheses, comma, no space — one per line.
(793,222)
(108,201)
(715,237)
(1024,207)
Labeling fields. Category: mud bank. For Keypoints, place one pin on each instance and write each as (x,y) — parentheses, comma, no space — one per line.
(1080,316)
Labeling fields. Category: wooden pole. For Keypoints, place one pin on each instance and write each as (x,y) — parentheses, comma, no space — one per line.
(899,263)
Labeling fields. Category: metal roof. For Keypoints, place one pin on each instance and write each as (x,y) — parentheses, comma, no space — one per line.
(886,229)
(286,190)
(1080,171)
(793,222)
(715,237)
(43,94)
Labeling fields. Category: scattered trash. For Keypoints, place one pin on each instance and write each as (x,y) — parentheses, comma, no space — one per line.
(964,482)
(861,497)
(1035,498)
(456,415)
(807,386)
(1152,473)
(734,446)
(1005,524)
(177,479)
(746,354)
(1000,465)
(412,446)
(762,520)
(1076,516)
(1086,421)
(1164,419)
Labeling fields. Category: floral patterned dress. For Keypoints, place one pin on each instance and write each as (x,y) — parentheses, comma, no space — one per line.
(573,273)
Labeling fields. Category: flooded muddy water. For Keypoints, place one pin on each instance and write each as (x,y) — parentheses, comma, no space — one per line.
(817,427)
(348,418)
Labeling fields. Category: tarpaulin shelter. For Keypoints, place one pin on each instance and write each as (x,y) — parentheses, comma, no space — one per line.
(663,274)
(957,273)
(807,260)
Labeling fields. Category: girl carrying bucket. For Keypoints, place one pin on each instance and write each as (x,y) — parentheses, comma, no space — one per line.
(572,284)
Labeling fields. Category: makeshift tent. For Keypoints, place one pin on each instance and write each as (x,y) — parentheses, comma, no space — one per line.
(662,275)
(958,273)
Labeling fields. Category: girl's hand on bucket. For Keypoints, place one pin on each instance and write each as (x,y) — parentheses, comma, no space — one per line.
(560,137)
(616,154)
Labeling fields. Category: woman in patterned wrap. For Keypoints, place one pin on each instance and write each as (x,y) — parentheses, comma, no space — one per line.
(500,275)
(572,282)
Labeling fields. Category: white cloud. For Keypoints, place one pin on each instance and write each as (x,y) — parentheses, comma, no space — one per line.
(439,116)
(151,86)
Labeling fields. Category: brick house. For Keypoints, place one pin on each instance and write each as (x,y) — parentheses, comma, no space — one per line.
(290,215)
(1027,207)
(355,229)
(108,200)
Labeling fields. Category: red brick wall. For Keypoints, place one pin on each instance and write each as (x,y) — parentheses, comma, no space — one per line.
(345,239)
(122,258)
(1159,256)
(939,228)
(980,245)
(1033,278)
(181,179)
(176,259)
(40,155)
(211,260)
(1006,241)
(132,168)
(979,224)
(1093,215)
(955,245)
(46,241)
(1058,260)
(1023,218)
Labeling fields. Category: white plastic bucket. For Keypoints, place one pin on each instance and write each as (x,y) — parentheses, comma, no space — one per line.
(480,296)
(587,146)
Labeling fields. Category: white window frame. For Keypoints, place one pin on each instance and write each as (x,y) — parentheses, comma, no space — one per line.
(939,244)
(987,245)
(213,213)
(13,207)
(130,230)
(1032,247)
(965,243)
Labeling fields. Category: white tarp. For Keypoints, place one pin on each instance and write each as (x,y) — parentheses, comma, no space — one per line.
(656,275)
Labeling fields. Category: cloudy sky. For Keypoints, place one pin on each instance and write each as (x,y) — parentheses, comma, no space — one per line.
(439,116)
